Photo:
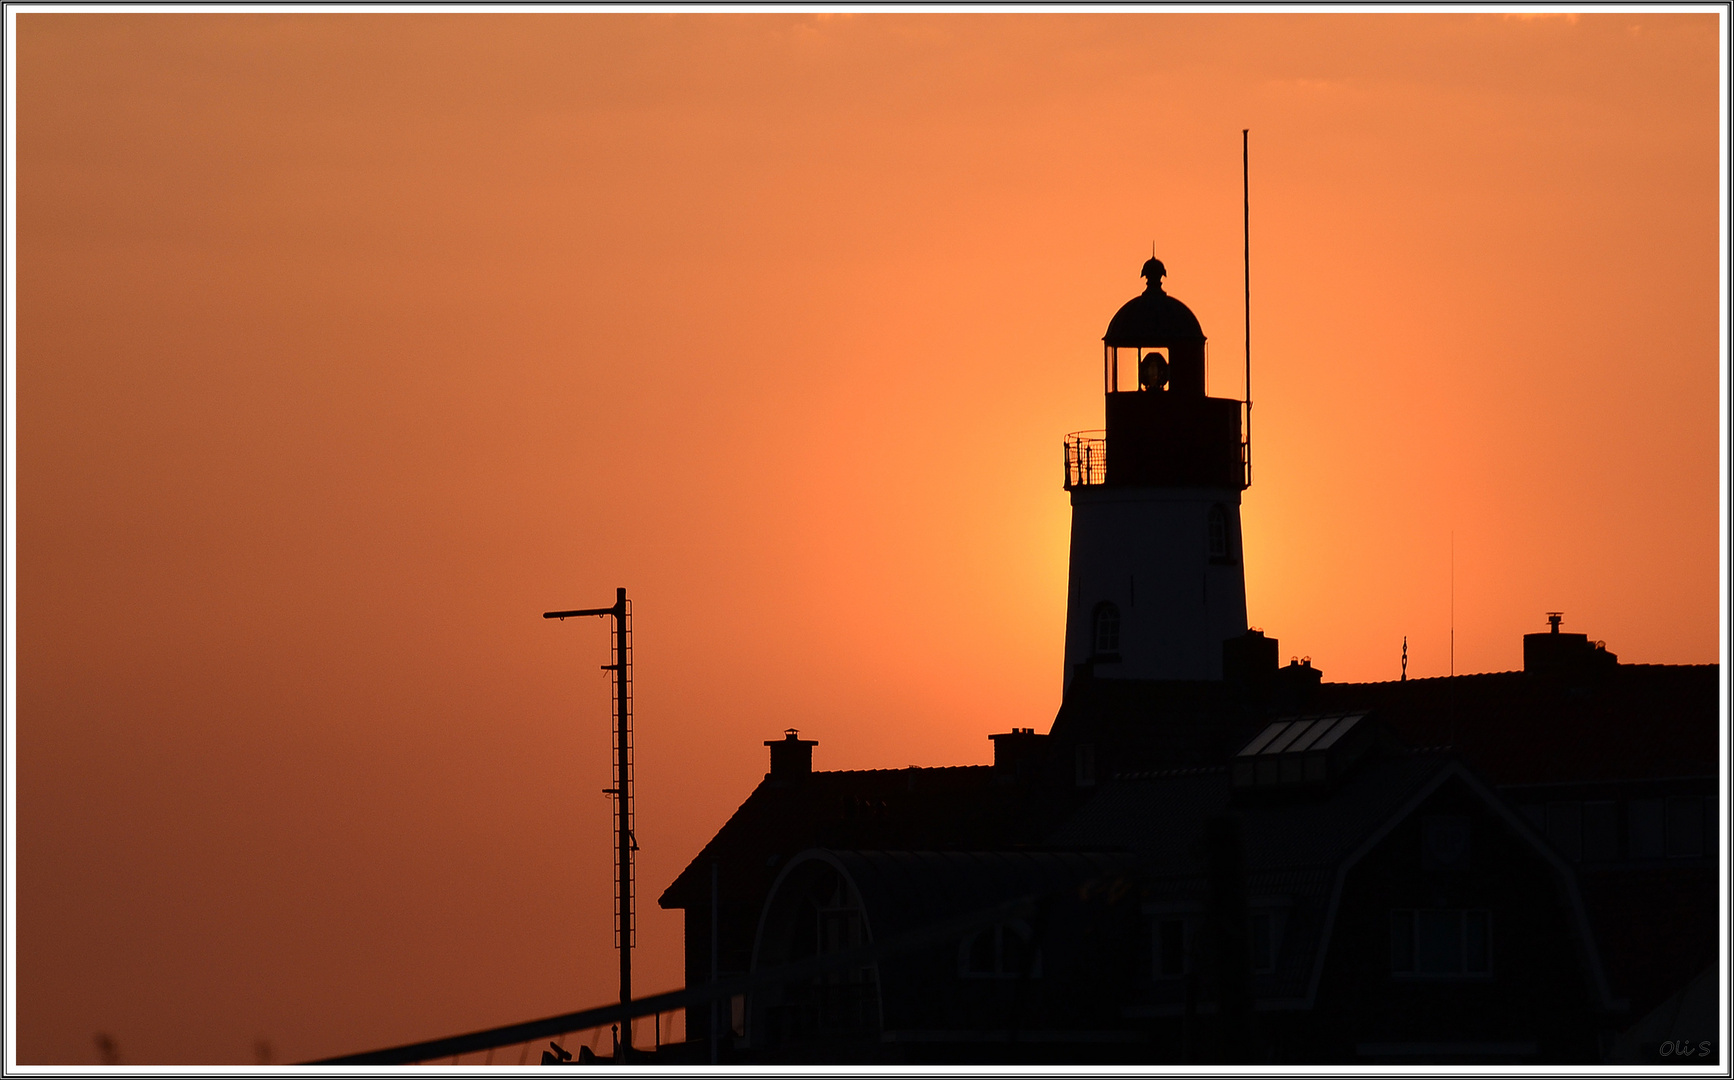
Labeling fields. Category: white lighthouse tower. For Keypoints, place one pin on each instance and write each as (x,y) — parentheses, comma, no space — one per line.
(1156,584)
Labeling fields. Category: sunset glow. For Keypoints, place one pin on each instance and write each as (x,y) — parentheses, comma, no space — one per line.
(348,344)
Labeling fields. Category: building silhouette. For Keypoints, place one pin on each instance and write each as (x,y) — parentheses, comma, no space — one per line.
(1215,857)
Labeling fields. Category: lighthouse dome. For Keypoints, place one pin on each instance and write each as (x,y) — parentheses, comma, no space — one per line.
(1154,319)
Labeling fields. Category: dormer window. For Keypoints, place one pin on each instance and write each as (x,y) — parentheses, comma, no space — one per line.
(1105,629)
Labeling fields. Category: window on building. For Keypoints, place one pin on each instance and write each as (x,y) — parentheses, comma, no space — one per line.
(1681,827)
(1084,763)
(1685,827)
(1477,942)
(983,954)
(1445,839)
(1001,951)
(1105,629)
(1601,831)
(1172,944)
(1217,525)
(1438,941)
(1170,960)
(1441,943)
(1565,828)
(1263,928)
(1645,831)
(1402,942)
(1015,953)
(840,929)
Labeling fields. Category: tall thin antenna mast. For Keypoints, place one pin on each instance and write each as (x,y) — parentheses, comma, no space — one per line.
(1246,263)
(1453,601)
(625,928)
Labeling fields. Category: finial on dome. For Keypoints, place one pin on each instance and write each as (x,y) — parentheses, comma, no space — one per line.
(1154,272)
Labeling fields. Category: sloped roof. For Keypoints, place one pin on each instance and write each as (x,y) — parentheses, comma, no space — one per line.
(1632,722)
(906,809)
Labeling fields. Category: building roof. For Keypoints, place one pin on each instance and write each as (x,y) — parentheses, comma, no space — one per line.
(1634,722)
(1153,319)
(1629,722)
(915,808)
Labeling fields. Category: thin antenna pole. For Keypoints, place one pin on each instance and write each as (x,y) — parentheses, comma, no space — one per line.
(1246,264)
(625,929)
(623,798)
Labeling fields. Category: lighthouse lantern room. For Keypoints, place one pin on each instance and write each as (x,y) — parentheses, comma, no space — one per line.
(1156,584)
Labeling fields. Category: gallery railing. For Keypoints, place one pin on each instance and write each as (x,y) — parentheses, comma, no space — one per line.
(1086,459)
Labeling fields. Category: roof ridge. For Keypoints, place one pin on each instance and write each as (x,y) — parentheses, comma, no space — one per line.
(898,769)
(1432,678)
(1626,665)
(1157,774)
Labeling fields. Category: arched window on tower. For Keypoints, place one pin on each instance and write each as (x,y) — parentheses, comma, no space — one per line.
(1105,629)
(1216,522)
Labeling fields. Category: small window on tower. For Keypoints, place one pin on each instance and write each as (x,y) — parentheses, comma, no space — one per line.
(1085,762)
(1218,526)
(1105,629)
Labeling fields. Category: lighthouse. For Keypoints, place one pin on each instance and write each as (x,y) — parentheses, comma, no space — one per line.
(1156,583)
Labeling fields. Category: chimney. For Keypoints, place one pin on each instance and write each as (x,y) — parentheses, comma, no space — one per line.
(791,757)
(1249,660)
(1296,685)
(1016,754)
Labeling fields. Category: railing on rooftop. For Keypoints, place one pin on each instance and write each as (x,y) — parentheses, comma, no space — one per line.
(1086,459)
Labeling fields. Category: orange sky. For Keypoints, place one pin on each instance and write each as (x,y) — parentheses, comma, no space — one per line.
(348,344)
